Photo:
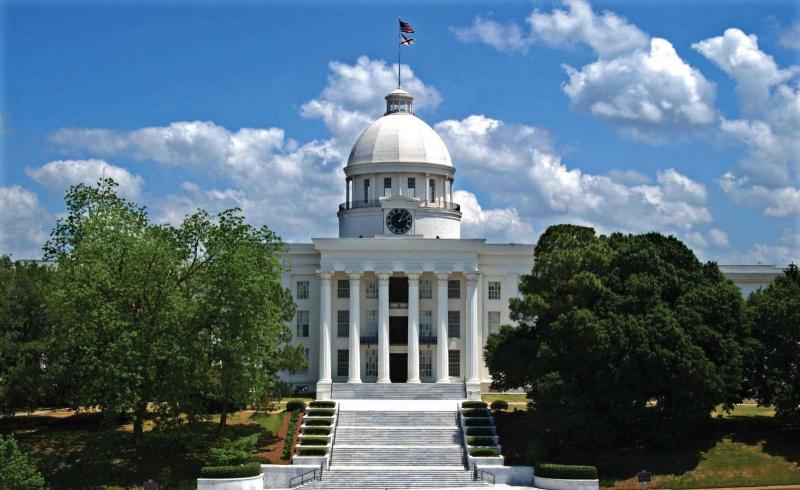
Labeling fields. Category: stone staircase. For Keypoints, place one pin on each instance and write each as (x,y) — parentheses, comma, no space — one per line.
(398,391)
(398,478)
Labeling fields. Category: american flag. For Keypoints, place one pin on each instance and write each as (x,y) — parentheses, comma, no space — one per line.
(406,27)
(407,41)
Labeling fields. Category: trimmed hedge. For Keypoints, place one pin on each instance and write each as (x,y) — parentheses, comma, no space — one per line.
(479,422)
(320,412)
(240,471)
(566,471)
(476,412)
(286,453)
(312,451)
(498,405)
(295,405)
(317,431)
(483,451)
(481,441)
(319,422)
(322,404)
(314,441)
(480,431)
(473,405)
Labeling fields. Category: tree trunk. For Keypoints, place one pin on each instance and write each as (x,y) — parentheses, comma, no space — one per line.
(138,422)
(223,419)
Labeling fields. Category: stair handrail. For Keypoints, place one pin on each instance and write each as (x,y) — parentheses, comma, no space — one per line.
(306,477)
(481,475)
(333,440)
(464,453)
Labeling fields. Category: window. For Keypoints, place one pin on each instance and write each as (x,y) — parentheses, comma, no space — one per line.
(454,289)
(370,323)
(343,288)
(454,324)
(371,288)
(432,186)
(307,357)
(453,362)
(343,323)
(494,290)
(425,324)
(302,289)
(302,323)
(371,366)
(494,321)
(412,187)
(342,362)
(387,187)
(425,289)
(426,363)
(366,190)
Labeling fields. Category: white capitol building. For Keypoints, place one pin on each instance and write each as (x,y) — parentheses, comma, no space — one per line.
(399,296)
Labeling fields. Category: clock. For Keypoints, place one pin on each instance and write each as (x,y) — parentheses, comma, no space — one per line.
(399,221)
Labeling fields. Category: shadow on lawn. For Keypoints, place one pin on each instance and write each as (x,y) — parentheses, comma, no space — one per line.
(81,451)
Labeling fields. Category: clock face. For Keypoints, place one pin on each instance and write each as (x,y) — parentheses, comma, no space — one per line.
(399,221)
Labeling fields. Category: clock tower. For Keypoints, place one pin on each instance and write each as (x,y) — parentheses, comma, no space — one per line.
(399,179)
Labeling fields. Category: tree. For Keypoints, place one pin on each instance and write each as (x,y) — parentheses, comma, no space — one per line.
(620,338)
(16,471)
(773,314)
(240,309)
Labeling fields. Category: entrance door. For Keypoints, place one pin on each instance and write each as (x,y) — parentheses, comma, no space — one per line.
(398,367)
(398,330)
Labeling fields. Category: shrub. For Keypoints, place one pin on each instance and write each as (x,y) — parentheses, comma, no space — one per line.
(481,441)
(238,471)
(312,451)
(16,471)
(322,404)
(479,422)
(286,453)
(233,452)
(319,422)
(480,431)
(476,412)
(317,431)
(483,451)
(473,404)
(571,472)
(314,441)
(498,405)
(320,412)
(295,405)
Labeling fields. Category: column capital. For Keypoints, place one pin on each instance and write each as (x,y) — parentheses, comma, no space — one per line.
(354,276)
(413,276)
(325,276)
(472,277)
(383,276)
(442,276)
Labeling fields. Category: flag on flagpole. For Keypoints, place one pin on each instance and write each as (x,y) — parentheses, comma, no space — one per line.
(407,41)
(406,27)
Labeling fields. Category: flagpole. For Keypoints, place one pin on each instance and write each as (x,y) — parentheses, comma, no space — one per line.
(398,52)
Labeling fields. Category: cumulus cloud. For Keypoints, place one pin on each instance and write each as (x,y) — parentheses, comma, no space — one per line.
(500,224)
(502,37)
(718,237)
(774,201)
(22,223)
(790,38)
(58,175)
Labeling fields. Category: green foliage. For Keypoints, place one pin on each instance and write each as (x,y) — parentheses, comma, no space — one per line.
(316,431)
(564,471)
(480,431)
(481,441)
(483,451)
(295,405)
(319,422)
(322,404)
(313,441)
(498,405)
(476,412)
(312,451)
(286,452)
(238,471)
(234,452)
(473,404)
(773,314)
(477,422)
(320,412)
(620,339)
(16,471)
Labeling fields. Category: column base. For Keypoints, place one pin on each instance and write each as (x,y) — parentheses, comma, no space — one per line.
(354,381)
(413,381)
(323,390)
(473,390)
(384,381)
(443,380)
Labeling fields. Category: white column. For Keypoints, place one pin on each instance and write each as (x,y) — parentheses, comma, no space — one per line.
(383,328)
(325,327)
(427,188)
(413,328)
(355,331)
(472,327)
(373,188)
(441,322)
(347,193)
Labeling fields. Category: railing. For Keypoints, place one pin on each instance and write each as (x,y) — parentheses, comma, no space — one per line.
(369,339)
(376,203)
(333,440)
(464,453)
(480,475)
(427,339)
(306,477)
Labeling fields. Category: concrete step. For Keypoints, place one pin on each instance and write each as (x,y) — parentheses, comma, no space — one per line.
(397,419)
(399,478)
(402,436)
(398,391)
(399,456)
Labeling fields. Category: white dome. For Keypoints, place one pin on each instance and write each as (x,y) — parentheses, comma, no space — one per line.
(399,138)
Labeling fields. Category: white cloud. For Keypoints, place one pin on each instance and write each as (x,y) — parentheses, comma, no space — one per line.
(774,201)
(502,37)
(22,223)
(58,175)
(498,224)
(790,38)
(718,237)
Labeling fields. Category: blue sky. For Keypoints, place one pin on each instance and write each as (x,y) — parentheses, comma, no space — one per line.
(679,117)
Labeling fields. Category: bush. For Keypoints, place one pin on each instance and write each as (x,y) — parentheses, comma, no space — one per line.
(476,412)
(314,441)
(480,431)
(498,405)
(286,453)
(322,404)
(233,452)
(295,405)
(571,472)
(320,412)
(483,451)
(317,431)
(480,422)
(481,441)
(473,404)
(16,471)
(319,422)
(238,471)
(312,451)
